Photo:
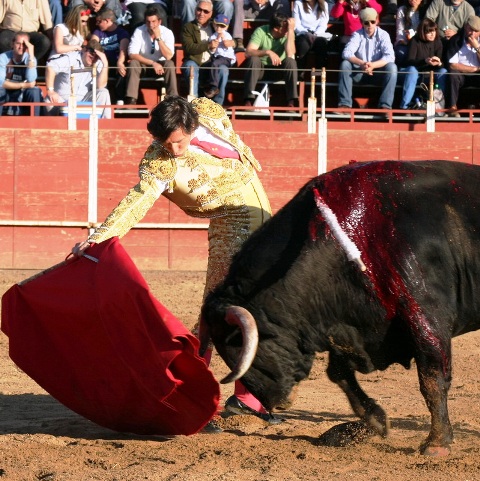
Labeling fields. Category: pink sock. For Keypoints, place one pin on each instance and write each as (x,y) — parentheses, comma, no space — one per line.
(242,393)
(208,356)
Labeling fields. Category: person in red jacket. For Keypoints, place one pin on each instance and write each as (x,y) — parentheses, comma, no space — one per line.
(350,12)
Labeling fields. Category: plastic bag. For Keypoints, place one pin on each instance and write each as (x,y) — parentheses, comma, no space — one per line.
(439,102)
(262,100)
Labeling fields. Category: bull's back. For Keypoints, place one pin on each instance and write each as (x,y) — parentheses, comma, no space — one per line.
(417,225)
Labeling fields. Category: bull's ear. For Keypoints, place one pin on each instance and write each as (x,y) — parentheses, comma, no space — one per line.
(345,341)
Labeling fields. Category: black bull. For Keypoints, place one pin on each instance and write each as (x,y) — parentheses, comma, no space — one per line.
(417,226)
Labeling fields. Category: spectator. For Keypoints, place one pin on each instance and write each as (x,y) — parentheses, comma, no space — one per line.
(26,16)
(114,41)
(350,12)
(18,73)
(69,36)
(58,81)
(152,45)
(97,6)
(222,54)
(449,15)
(408,19)
(369,49)
(189,7)
(463,54)
(424,54)
(256,9)
(311,23)
(137,9)
(196,49)
(272,47)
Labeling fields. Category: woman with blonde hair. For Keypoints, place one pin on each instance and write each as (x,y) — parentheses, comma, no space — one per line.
(70,35)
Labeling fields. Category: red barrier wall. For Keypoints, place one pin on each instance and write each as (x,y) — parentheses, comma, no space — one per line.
(44,177)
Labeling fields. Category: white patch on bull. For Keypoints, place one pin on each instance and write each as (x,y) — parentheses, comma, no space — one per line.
(352,251)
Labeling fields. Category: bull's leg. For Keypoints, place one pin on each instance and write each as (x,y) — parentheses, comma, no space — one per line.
(364,407)
(435,375)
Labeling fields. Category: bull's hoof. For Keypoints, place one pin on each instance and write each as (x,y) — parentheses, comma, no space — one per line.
(378,420)
(436,451)
(346,434)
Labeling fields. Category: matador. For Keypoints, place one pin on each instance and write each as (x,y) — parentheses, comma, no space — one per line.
(215,177)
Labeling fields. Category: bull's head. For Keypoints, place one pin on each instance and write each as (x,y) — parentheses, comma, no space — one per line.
(255,357)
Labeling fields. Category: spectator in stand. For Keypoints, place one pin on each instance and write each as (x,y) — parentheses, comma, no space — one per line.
(18,74)
(311,23)
(58,78)
(26,16)
(424,54)
(463,54)
(69,36)
(97,6)
(350,12)
(449,15)
(369,49)
(114,41)
(222,54)
(408,19)
(137,9)
(255,9)
(196,50)
(151,50)
(272,47)
(189,9)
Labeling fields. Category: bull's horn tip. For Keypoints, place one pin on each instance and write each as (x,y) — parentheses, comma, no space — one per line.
(227,379)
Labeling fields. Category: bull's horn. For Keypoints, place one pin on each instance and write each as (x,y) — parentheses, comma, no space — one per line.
(238,316)
(203,336)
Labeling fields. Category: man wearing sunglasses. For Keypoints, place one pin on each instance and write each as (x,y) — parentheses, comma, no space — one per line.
(189,9)
(58,73)
(151,50)
(368,58)
(197,51)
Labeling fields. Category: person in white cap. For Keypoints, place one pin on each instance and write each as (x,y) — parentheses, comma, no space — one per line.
(368,58)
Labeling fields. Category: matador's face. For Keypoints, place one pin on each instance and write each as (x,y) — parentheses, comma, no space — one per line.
(177,142)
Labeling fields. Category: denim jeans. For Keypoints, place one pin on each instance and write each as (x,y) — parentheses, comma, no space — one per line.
(56,8)
(412,78)
(350,74)
(33,94)
(200,78)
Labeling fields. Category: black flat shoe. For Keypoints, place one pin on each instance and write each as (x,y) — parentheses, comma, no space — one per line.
(212,428)
(235,406)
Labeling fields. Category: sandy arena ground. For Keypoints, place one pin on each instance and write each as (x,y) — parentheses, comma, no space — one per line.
(41,440)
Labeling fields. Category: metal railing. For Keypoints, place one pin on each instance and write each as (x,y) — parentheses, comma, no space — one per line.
(319,83)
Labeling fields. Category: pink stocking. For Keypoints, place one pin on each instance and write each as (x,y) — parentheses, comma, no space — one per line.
(241,392)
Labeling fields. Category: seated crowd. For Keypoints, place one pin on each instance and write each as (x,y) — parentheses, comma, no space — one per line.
(131,40)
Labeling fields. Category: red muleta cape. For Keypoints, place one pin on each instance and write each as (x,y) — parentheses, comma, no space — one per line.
(94,337)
